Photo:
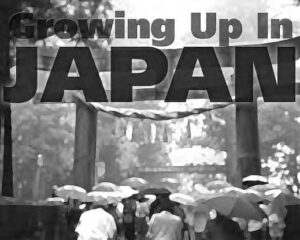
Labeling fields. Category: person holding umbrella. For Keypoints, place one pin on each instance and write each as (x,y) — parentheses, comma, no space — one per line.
(129,217)
(141,214)
(73,197)
(165,225)
(187,204)
(223,228)
(97,223)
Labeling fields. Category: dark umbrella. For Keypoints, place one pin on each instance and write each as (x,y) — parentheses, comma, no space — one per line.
(231,206)
(156,191)
(253,180)
(218,185)
(265,187)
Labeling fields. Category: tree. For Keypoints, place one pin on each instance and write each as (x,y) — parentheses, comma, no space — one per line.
(46,130)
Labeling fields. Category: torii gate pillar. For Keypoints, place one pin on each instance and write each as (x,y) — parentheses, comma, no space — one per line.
(247,139)
(85,146)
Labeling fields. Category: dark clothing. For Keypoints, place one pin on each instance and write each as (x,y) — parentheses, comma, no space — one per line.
(223,228)
(128,218)
(161,203)
(141,227)
(292,219)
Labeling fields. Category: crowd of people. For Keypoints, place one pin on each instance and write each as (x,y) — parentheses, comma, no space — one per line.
(157,214)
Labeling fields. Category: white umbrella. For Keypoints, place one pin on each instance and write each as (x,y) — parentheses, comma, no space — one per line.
(105,187)
(255,178)
(96,197)
(55,200)
(126,191)
(182,199)
(71,191)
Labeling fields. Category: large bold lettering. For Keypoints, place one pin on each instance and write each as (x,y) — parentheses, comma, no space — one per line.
(272,91)
(88,81)
(26,76)
(122,77)
(213,80)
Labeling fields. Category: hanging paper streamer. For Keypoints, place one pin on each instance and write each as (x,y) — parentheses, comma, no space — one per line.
(120,128)
(147,131)
(153,132)
(135,127)
(159,129)
(188,129)
(165,133)
(129,131)
(123,127)
(117,127)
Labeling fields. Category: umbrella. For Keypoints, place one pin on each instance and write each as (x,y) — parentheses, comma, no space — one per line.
(264,188)
(71,191)
(280,199)
(96,197)
(105,187)
(151,198)
(170,180)
(218,185)
(55,200)
(231,206)
(182,199)
(156,191)
(104,198)
(284,197)
(126,191)
(201,189)
(167,186)
(251,195)
(202,193)
(135,182)
(169,183)
(255,180)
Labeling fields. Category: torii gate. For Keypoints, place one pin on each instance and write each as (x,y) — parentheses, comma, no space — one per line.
(248,157)
(247,137)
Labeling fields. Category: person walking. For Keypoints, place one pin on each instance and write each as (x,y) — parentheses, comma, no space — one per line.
(96,224)
(165,226)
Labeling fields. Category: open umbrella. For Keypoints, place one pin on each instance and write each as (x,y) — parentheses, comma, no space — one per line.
(253,180)
(126,191)
(251,195)
(170,183)
(55,200)
(285,198)
(104,197)
(280,199)
(135,182)
(71,191)
(156,191)
(218,185)
(170,180)
(182,199)
(96,197)
(231,206)
(265,187)
(105,187)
